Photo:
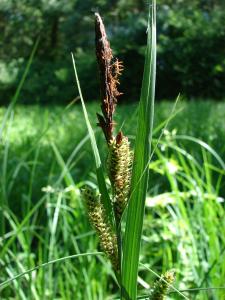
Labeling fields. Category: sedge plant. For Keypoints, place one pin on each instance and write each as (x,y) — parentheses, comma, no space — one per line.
(31,251)
(127,169)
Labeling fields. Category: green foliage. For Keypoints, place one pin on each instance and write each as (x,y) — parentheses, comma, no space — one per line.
(190,56)
(46,158)
(190,52)
(184,204)
(188,208)
(34,125)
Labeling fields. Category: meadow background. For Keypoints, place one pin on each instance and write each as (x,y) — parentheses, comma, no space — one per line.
(45,155)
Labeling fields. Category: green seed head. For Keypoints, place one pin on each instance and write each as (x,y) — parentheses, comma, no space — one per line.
(99,221)
(119,167)
(162,285)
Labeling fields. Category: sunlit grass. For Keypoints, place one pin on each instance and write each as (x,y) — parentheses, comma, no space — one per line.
(187,187)
(64,126)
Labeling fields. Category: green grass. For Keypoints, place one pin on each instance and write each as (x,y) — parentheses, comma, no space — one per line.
(184,223)
(47,247)
(34,128)
(66,126)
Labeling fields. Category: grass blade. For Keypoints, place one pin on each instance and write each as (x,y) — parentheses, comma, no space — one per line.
(99,170)
(203,145)
(47,264)
(135,212)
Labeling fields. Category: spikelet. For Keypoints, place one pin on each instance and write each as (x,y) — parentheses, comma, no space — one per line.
(109,69)
(161,286)
(119,167)
(99,221)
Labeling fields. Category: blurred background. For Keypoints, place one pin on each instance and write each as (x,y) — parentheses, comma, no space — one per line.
(191,47)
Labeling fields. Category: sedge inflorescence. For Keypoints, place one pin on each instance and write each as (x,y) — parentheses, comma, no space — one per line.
(100,222)
(119,168)
(162,285)
(120,156)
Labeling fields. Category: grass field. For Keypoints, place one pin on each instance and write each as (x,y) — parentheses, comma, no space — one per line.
(46,159)
(65,126)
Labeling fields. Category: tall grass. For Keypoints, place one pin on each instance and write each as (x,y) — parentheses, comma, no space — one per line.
(47,247)
(7,115)
(183,226)
(192,210)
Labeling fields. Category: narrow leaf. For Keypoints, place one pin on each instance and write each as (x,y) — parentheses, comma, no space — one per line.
(61,259)
(135,212)
(98,164)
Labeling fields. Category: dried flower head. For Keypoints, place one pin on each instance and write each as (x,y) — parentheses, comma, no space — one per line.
(109,69)
(99,221)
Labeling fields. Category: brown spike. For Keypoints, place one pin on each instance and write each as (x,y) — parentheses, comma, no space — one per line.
(109,73)
(119,138)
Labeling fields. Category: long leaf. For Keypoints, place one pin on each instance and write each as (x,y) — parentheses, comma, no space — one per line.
(61,259)
(135,212)
(99,170)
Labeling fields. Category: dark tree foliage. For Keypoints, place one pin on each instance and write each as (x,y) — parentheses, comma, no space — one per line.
(191,43)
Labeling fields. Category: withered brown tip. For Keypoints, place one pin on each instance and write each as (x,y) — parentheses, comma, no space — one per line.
(109,71)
